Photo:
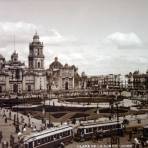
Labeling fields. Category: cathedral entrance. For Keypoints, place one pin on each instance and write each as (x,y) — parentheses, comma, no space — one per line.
(29,87)
(15,88)
(66,86)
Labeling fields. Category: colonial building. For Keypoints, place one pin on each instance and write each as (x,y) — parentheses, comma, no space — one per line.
(16,78)
(15,69)
(62,77)
(138,81)
(110,81)
(4,76)
(35,74)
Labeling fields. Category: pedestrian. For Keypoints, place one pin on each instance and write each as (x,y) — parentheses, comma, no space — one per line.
(10,115)
(29,122)
(11,140)
(5,119)
(130,136)
(5,144)
(14,119)
(62,145)
(137,143)
(1,136)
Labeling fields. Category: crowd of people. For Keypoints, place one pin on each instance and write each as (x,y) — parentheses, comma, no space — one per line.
(17,122)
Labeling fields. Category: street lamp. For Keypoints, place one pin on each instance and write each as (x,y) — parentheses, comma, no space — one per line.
(49,105)
(117,113)
(17,124)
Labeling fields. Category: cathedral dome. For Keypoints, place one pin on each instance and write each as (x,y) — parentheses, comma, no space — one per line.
(56,64)
(36,37)
(14,56)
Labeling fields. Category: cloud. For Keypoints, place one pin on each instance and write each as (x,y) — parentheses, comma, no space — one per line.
(53,37)
(124,40)
(23,33)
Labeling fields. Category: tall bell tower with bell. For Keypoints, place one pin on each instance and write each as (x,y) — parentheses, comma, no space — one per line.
(36,56)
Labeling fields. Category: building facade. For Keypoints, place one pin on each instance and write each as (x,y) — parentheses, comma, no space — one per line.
(62,77)
(16,78)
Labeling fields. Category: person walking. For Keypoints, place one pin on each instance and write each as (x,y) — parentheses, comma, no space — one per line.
(1,136)
(11,140)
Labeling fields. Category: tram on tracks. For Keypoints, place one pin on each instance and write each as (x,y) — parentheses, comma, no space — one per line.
(49,138)
(98,130)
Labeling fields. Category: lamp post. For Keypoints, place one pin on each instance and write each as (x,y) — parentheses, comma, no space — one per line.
(17,118)
(43,109)
(49,105)
(117,113)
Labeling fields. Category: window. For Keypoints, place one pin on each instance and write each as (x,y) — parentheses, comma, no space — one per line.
(0,89)
(17,74)
(29,87)
(38,51)
(36,143)
(15,88)
(87,130)
(39,65)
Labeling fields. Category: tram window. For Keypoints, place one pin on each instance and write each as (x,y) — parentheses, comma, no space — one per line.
(145,132)
(42,141)
(39,142)
(36,143)
(48,139)
(94,129)
(51,138)
(65,134)
(26,145)
(87,131)
(99,128)
(58,136)
(61,134)
(30,144)
(45,140)
(55,136)
(68,132)
(90,129)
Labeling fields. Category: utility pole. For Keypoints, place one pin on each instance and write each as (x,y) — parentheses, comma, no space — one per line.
(17,118)
(49,105)
(117,113)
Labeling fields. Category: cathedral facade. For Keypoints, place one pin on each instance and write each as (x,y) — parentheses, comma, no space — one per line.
(15,77)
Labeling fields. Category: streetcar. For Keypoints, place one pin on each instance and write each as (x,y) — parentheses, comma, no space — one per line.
(49,138)
(88,131)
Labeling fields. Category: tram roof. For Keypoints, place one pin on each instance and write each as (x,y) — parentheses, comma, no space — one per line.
(47,132)
(97,124)
(146,126)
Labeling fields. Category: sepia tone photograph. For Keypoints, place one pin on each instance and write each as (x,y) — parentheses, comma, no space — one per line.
(73,74)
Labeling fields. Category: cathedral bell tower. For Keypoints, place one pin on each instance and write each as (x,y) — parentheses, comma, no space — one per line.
(36,57)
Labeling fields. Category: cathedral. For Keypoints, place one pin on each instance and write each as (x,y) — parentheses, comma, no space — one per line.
(15,77)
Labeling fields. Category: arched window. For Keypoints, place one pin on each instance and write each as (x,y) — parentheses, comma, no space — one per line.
(66,86)
(38,51)
(39,65)
(15,88)
(29,87)
(0,89)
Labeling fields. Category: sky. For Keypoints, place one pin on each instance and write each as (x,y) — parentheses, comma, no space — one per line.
(97,36)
